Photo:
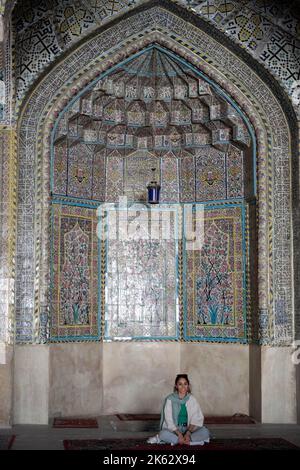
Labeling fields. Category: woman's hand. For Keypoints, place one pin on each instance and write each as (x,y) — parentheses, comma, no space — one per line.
(187,438)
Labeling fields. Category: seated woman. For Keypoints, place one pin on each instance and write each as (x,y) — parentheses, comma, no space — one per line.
(181,418)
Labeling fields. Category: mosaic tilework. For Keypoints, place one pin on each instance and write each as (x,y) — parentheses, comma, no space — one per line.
(262,28)
(141,298)
(285,13)
(187,178)
(210,175)
(169,178)
(74,274)
(249,28)
(240,83)
(7,232)
(214,10)
(28,12)
(108,116)
(235,180)
(104,8)
(138,173)
(215,278)
(44,29)
(283,52)
(38,46)
(72,18)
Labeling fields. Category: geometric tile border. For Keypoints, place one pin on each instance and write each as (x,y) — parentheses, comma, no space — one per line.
(8,196)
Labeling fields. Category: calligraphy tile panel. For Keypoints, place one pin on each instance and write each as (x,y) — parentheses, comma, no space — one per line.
(80,171)
(60,167)
(235,176)
(115,176)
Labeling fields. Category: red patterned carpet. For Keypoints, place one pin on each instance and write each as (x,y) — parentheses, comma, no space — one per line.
(235,419)
(6,442)
(138,417)
(75,423)
(214,445)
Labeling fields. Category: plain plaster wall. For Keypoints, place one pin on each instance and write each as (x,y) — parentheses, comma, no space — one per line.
(31,384)
(6,385)
(279,395)
(82,379)
(137,376)
(75,379)
(255,381)
(219,375)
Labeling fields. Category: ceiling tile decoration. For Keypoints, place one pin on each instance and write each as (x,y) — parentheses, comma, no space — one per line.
(152,112)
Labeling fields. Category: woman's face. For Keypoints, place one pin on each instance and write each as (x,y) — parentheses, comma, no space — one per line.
(182,387)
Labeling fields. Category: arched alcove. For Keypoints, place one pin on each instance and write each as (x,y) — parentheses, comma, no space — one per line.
(107,365)
(154,110)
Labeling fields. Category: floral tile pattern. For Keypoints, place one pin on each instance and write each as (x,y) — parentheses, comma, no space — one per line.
(215,278)
(74,274)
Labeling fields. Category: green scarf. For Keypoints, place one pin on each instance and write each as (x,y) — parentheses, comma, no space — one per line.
(179,411)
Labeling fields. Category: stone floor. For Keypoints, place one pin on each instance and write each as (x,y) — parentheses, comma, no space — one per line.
(34,437)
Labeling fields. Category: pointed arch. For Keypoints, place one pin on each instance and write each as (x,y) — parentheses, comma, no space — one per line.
(243,79)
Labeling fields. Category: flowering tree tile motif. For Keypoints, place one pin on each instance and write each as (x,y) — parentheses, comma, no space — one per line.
(74,274)
(75,278)
(215,278)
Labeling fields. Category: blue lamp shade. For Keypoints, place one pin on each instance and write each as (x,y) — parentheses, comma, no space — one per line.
(153,192)
(153,189)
